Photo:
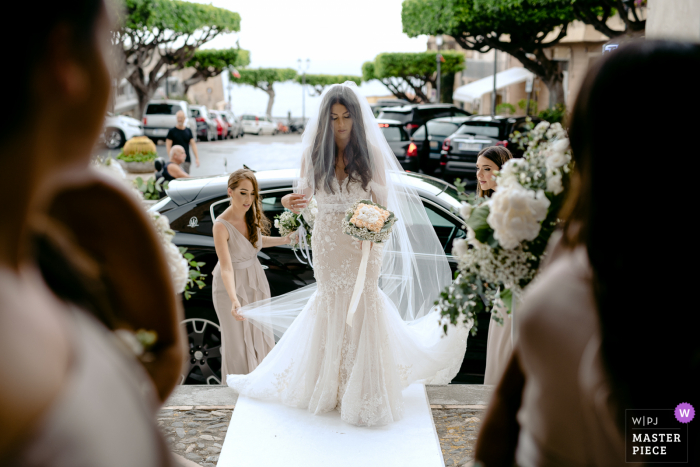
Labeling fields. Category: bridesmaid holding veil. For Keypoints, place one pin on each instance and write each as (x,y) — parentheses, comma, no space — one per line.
(498,346)
(238,276)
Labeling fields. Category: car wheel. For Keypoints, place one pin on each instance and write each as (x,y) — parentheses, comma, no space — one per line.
(203,360)
(114,138)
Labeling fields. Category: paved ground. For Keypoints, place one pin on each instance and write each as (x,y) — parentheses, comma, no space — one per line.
(196,432)
(257,152)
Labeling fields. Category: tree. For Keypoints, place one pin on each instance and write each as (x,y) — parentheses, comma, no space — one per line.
(319,82)
(520,28)
(407,74)
(209,63)
(162,36)
(264,79)
(597,12)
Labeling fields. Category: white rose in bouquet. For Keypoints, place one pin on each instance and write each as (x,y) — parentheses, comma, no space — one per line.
(508,175)
(554,182)
(459,247)
(516,214)
(465,210)
(557,156)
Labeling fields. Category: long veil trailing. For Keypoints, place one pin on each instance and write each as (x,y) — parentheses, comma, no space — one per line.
(414,267)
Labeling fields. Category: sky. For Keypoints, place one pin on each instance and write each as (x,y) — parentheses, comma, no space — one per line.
(336,36)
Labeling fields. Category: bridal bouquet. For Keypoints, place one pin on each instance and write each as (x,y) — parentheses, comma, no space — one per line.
(507,235)
(368,221)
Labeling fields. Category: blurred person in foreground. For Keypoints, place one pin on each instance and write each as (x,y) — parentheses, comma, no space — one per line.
(72,393)
(180,135)
(610,324)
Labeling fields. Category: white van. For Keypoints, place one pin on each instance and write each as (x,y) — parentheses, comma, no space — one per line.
(159,118)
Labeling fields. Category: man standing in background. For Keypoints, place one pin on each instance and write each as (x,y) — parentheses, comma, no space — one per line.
(182,136)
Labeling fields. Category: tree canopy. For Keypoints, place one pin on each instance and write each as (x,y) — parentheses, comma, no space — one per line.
(521,28)
(406,74)
(320,82)
(162,36)
(212,62)
(264,79)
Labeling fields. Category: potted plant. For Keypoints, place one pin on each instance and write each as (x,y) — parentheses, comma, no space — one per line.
(138,155)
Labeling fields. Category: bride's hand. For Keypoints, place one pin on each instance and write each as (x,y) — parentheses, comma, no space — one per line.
(291,236)
(295,202)
(234,310)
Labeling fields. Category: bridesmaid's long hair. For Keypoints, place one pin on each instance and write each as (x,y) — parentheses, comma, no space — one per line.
(324,150)
(255,217)
(645,304)
(498,155)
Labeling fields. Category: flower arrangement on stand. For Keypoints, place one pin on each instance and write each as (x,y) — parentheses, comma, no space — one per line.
(507,234)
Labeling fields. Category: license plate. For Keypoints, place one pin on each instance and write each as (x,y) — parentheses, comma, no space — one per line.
(433,145)
(159,132)
(469,146)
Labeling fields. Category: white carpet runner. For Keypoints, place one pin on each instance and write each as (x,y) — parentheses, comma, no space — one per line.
(267,434)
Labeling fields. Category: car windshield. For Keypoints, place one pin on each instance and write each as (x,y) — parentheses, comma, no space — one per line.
(402,117)
(162,109)
(480,129)
(441,128)
(394,133)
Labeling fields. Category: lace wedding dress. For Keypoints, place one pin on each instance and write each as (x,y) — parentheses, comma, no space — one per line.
(322,364)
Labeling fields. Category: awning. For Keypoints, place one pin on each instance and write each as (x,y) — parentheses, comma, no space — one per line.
(470,92)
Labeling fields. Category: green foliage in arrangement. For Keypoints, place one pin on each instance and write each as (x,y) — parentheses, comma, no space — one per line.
(320,82)
(140,157)
(151,189)
(196,277)
(407,74)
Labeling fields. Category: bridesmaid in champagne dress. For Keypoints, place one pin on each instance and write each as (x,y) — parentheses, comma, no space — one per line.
(238,277)
(499,346)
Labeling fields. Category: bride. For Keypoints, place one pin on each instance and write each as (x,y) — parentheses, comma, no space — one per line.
(321,363)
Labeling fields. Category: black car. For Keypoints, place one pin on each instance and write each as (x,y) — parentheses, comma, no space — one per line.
(414,115)
(428,140)
(400,143)
(191,206)
(459,151)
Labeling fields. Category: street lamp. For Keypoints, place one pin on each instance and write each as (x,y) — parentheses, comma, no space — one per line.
(438,42)
(303,86)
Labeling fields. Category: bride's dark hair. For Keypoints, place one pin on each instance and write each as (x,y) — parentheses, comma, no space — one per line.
(325,150)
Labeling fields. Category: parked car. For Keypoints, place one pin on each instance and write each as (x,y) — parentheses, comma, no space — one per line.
(236,124)
(118,129)
(428,140)
(382,103)
(221,125)
(159,118)
(414,115)
(400,143)
(459,151)
(206,126)
(258,125)
(191,207)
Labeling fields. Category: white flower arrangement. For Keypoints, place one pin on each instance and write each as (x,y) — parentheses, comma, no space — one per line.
(507,234)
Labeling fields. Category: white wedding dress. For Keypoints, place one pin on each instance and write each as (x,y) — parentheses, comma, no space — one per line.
(321,363)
